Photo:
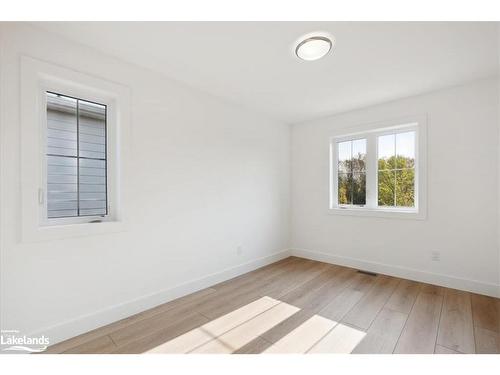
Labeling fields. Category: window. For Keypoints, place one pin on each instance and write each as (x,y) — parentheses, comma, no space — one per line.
(75,155)
(76,180)
(379,170)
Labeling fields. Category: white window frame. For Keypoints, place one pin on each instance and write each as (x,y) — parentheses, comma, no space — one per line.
(371,133)
(37,78)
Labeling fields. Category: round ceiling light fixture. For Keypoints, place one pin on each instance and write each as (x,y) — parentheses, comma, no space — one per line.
(313,48)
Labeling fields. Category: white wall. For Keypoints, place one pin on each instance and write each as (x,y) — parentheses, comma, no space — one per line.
(206,177)
(462,194)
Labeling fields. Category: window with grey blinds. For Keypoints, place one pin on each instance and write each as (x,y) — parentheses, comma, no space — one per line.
(76,157)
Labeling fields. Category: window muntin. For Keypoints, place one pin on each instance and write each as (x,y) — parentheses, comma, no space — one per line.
(351,172)
(76,157)
(396,169)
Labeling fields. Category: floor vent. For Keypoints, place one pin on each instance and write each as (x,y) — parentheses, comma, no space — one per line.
(367,273)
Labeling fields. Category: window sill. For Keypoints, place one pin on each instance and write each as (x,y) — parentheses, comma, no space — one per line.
(381,213)
(70,230)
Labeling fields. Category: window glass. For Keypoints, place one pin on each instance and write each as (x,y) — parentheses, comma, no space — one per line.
(352,172)
(396,170)
(76,157)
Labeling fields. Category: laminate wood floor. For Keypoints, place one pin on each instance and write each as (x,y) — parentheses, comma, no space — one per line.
(303,306)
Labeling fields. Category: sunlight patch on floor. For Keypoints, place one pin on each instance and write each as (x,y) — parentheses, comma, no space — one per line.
(240,327)
(245,333)
(215,328)
(302,338)
(341,340)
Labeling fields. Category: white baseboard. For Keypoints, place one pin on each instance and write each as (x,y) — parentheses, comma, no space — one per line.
(479,287)
(88,322)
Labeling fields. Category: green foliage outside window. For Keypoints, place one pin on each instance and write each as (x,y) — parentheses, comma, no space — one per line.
(352,180)
(395,170)
(396,181)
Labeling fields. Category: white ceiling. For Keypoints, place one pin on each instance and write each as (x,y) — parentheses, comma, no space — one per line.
(252,64)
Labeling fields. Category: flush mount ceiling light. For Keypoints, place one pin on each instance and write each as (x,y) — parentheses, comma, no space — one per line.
(313,48)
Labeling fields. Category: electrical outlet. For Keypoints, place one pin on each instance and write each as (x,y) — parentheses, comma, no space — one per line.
(239,250)
(435,256)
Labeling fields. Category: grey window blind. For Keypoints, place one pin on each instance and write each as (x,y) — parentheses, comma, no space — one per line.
(76,157)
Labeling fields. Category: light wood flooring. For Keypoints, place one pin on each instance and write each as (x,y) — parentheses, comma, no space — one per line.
(303,306)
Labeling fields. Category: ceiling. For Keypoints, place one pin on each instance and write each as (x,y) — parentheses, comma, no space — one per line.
(252,63)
